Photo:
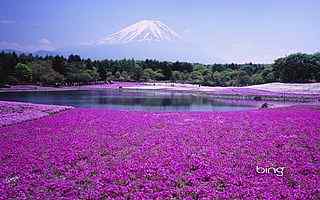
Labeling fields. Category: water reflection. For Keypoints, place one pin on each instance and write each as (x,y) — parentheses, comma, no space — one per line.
(127,100)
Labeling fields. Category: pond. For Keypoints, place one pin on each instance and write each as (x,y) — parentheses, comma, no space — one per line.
(141,100)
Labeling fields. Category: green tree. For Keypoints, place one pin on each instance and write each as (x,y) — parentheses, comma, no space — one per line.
(294,68)
(185,76)
(58,64)
(42,72)
(316,67)
(268,74)
(109,76)
(93,72)
(196,77)
(125,76)
(207,77)
(118,76)
(138,72)
(158,75)
(8,61)
(148,74)
(176,75)
(23,72)
(217,79)
(257,79)
(242,78)
(84,76)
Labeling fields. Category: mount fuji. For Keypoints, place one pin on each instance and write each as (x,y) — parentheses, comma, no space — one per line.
(146,39)
(145,30)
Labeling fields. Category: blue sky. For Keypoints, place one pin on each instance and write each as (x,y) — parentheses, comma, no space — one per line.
(236,31)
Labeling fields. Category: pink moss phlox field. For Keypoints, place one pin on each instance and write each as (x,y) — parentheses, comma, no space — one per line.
(114,85)
(15,112)
(256,92)
(104,154)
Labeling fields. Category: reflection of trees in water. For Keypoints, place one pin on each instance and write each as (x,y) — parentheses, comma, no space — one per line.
(153,98)
(234,102)
(98,98)
(166,100)
(145,101)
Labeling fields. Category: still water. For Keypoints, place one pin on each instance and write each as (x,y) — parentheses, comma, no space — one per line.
(127,100)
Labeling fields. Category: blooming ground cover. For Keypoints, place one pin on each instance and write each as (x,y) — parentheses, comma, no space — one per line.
(105,154)
(14,112)
(308,92)
(304,88)
(15,88)
(114,85)
(258,92)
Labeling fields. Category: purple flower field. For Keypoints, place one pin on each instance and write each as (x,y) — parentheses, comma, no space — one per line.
(105,154)
(241,91)
(114,85)
(15,112)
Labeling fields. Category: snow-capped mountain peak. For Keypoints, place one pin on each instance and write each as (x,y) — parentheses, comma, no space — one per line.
(145,30)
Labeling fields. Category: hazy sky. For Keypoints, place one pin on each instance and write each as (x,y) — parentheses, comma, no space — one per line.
(236,31)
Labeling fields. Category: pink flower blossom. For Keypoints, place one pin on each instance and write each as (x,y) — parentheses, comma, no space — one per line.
(107,154)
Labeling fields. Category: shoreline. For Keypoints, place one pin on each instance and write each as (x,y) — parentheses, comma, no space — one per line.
(36,88)
(254,92)
(271,88)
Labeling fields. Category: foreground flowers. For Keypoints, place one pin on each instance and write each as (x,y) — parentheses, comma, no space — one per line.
(102,154)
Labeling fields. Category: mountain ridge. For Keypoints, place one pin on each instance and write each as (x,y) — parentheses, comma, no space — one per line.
(145,30)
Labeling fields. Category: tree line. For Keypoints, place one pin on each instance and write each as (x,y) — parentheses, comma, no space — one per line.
(58,70)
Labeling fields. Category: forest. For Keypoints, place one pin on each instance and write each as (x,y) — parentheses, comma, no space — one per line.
(58,70)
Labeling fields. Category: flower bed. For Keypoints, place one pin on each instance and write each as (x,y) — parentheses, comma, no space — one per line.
(17,88)
(250,92)
(113,85)
(103,154)
(254,94)
(15,112)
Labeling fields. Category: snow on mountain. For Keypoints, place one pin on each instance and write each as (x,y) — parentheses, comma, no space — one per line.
(145,30)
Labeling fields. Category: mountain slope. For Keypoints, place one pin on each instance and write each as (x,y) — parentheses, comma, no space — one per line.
(145,30)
